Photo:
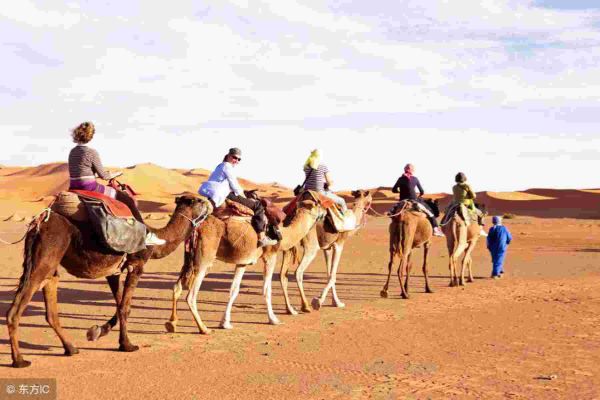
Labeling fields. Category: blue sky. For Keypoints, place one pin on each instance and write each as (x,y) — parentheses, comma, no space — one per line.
(506,91)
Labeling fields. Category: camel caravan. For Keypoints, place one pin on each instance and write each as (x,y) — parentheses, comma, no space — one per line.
(95,230)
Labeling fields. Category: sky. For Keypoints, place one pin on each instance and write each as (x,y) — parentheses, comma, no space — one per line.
(506,91)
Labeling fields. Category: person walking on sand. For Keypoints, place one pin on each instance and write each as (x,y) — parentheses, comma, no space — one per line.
(497,242)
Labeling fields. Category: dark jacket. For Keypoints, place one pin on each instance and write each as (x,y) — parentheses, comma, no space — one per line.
(407,186)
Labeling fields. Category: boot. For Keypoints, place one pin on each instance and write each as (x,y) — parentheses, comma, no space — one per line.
(263,240)
(153,240)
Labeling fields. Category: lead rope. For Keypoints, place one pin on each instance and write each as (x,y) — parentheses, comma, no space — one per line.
(35,222)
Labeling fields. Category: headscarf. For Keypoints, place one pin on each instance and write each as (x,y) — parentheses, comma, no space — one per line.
(497,220)
(408,170)
(314,159)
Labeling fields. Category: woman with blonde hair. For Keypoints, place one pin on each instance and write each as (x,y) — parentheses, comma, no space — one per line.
(85,165)
(318,178)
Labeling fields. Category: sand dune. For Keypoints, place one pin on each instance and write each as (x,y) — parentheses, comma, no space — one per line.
(28,189)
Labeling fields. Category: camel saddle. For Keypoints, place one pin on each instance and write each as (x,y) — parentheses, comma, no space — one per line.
(408,205)
(463,212)
(233,209)
(112,221)
(69,204)
(317,197)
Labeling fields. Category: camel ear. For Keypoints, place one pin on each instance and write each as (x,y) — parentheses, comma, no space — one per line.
(366,193)
(177,200)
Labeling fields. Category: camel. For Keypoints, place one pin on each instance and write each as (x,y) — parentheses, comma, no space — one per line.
(408,231)
(460,238)
(58,240)
(324,237)
(235,242)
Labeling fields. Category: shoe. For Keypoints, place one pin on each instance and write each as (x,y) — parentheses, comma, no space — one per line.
(482,233)
(153,240)
(266,241)
(496,276)
(438,232)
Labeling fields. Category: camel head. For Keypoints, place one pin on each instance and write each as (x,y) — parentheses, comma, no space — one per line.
(481,207)
(363,199)
(199,207)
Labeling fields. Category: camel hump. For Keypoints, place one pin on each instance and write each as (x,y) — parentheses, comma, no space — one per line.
(68,205)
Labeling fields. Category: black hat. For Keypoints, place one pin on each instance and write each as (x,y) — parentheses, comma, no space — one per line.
(234,151)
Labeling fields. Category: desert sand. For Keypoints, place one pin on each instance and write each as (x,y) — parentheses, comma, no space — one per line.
(533,334)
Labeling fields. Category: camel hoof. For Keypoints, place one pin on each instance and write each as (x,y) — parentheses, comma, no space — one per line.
(306,309)
(20,363)
(226,325)
(339,304)
(405,296)
(429,290)
(291,311)
(470,280)
(205,331)
(384,294)
(171,326)
(71,350)
(316,304)
(452,284)
(93,333)
(128,348)
(275,322)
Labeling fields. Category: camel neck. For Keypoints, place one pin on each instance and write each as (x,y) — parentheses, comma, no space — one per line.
(175,232)
(301,224)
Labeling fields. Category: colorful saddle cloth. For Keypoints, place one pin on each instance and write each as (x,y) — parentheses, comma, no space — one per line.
(233,209)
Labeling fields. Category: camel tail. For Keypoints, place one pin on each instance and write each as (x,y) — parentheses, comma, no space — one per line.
(31,241)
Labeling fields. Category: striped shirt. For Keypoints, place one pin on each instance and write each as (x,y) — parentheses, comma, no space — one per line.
(84,162)
(316,180)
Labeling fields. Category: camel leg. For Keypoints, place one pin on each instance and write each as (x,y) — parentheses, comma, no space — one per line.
(467,260)
(130,284)
(470,262)
(384,291)
(308,256)
(42,263)
(270,263)
(192,298)
(13,316)
(96,332)
(337,255)
(401,268)
(408,269)
(332,264)
(50,299)
(425,272)
(283,279)
(233,293)
(171,324)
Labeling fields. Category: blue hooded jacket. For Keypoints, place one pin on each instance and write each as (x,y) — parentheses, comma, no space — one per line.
(498,238)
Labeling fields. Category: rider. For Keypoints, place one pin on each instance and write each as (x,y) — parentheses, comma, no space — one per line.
(406,185)
(463,194)
(222,183)
(318,178)
(85,164)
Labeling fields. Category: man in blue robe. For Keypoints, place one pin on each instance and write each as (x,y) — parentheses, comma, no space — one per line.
(497,242)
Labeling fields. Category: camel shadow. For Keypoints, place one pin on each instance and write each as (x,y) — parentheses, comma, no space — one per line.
(588,250)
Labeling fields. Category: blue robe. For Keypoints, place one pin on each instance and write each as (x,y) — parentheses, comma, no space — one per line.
(497,241)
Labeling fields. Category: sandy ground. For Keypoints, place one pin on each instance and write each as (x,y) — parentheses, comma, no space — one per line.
(490,339)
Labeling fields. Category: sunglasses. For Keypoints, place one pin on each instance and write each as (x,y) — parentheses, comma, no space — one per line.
(236,158)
